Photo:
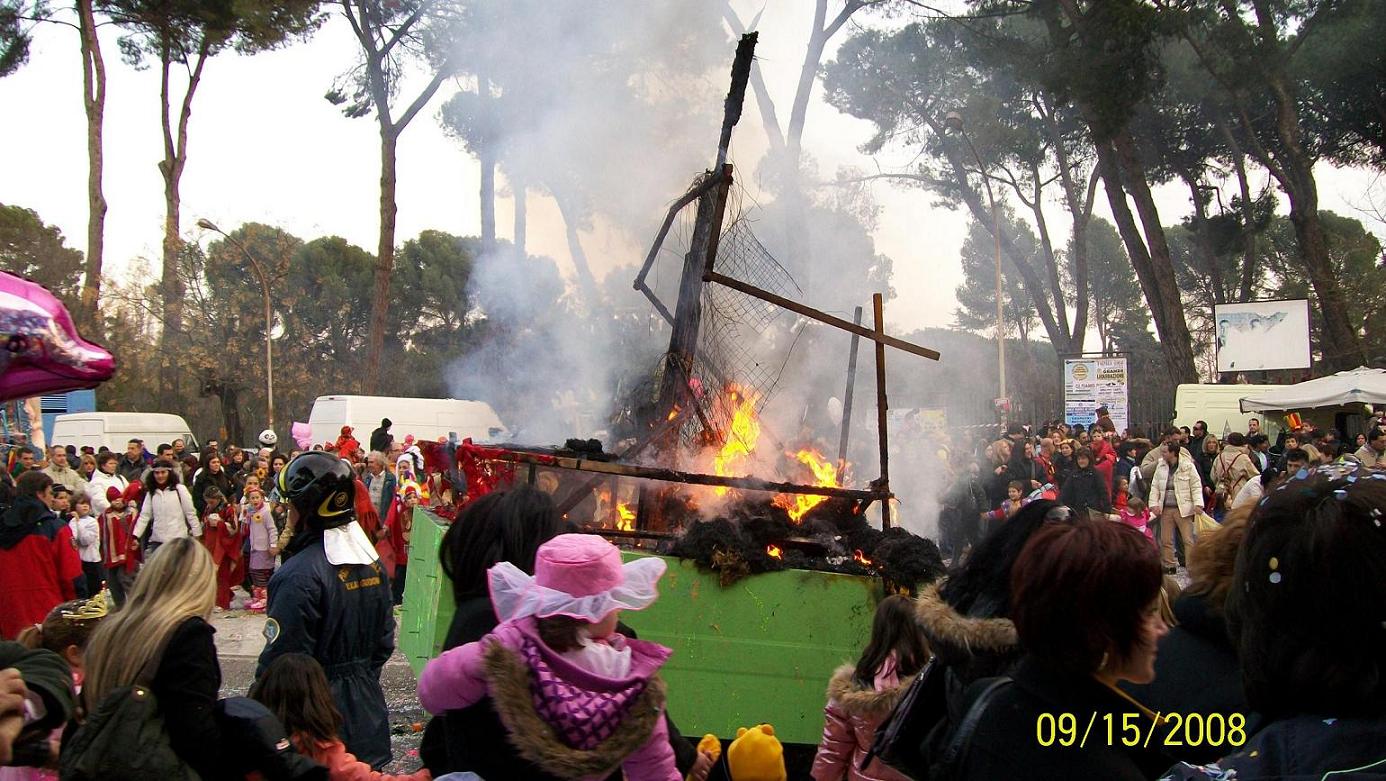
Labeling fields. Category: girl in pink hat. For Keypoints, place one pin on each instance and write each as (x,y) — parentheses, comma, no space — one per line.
(579,700)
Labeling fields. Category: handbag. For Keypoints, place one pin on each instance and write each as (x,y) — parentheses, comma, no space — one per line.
(900,739)
(1203,522)
(124,738)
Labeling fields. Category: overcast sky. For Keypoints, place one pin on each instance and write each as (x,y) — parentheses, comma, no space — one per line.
(265,146)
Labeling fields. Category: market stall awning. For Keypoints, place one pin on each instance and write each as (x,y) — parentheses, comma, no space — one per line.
(1358,386)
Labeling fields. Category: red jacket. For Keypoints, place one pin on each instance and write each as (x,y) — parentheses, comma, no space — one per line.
(38,564)
(119,548)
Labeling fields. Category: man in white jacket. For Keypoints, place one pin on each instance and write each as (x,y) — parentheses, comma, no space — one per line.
(168,511)
(1177,492)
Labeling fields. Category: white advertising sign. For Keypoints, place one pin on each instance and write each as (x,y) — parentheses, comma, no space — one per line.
(1090,383)
(1262,335)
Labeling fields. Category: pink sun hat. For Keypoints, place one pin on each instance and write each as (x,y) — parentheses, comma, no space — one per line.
(575,575)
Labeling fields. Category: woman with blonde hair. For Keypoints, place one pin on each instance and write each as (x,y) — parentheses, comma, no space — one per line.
(163,625)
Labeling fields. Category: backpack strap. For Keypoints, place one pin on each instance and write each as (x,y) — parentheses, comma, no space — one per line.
(953,757)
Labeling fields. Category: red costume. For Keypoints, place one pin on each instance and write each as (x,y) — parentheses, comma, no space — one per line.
(38,564)
(119,548)
(346,445)
(224,536)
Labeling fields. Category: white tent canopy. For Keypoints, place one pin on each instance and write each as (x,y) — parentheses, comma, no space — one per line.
(1359,386)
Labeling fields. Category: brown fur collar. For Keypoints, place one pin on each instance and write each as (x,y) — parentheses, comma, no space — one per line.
(946,629)
(857,700)
(509,680)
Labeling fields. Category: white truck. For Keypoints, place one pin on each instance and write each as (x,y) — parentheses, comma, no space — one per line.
(115,429)
(1220,407)
(424,418)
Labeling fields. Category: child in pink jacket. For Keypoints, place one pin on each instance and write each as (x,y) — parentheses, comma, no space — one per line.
(580,699)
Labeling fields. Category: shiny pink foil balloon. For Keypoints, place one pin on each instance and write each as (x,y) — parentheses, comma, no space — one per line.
(40,349)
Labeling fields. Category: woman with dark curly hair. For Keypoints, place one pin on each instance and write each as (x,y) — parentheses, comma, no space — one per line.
(1307,613)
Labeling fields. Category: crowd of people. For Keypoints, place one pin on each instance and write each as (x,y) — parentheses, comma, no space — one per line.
(1059,612)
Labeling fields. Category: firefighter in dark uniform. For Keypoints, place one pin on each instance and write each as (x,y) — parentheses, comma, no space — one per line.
(331,599)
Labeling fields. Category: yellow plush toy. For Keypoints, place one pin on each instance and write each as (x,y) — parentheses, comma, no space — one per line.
(756,755)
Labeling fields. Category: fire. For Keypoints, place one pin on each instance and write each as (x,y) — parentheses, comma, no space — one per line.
(742,436)
(625,520)
(860,558)
(774,552)
(824,474)
(673,413)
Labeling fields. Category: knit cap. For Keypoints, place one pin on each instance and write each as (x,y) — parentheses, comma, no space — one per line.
(756,755)
(112,494)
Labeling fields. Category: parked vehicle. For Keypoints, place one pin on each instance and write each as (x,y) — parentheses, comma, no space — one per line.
(115,429)
(1220,407)
(426,419)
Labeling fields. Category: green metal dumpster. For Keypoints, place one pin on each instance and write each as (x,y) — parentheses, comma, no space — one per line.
(761,650)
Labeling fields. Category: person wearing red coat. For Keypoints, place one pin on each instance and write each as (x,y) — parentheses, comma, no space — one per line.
(120,551)
(1104,461)
(224,537)
(38,561)
(346,445)
(392,540)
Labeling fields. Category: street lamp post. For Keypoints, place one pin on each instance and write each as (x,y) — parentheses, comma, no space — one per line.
(269,316)
(954,121)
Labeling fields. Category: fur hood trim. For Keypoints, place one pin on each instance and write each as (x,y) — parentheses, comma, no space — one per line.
(509,679)
(944,626)
(857,700)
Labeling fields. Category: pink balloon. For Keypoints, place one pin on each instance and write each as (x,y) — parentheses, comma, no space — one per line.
(40,349)
(302,434)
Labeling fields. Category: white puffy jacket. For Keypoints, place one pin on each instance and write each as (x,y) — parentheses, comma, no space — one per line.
(172,514)
(1188,488)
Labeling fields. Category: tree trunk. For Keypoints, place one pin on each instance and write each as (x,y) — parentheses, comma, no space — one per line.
(1152,265)
(575,251)
(94,103)
(231,412)
(1249,255)
(385,260)
(517,187)
(1203,246)
(488,199)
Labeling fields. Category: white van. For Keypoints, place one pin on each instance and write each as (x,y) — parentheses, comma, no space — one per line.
(115,429)
(1220,406)
(424,418)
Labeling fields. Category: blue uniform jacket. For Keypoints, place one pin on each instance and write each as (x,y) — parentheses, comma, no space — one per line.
(341,616)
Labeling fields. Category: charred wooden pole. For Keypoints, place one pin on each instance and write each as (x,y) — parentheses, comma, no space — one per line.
(847,397)
(688,313)
(882,406)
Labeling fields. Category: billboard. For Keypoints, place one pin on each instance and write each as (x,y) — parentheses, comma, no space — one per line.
(1090,383)
(1262,335)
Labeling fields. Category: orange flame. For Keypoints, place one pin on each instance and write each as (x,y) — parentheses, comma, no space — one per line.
(774,552)
(673,413)
(625,520)
(860,558)
(824,474)
(742,436)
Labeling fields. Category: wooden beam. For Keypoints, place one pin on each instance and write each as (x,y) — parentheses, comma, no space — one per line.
(820,316)
(687,478)
(847,397)
(882,405)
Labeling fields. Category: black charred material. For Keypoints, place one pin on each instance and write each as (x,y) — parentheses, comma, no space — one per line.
(585,448)
(833,537)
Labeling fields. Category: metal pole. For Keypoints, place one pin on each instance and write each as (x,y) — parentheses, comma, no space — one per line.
(996,238)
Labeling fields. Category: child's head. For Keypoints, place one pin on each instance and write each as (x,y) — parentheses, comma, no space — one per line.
(67,628)
(294,688)
(213,496)
(62,498)
(1135,504)
(114,499)
(1123,485)
(253,494)
(582,585)
(1014,490)
(894,630)
(81,503)
(251,480)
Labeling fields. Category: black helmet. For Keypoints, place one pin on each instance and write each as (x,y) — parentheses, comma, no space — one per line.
(321,487)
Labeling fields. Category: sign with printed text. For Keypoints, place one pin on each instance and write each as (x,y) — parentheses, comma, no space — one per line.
(1090,383)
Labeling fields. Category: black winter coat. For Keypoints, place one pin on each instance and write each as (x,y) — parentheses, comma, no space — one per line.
(1302,747)
(1006,742)
(1196,671)
(474,738)
(341,616)
(1085,490)
(186,686)
(222,480)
